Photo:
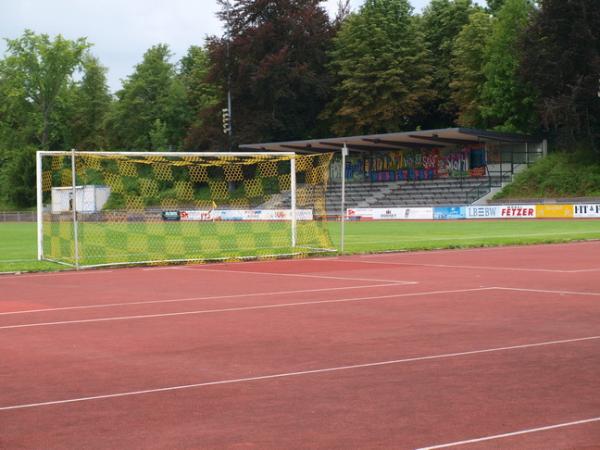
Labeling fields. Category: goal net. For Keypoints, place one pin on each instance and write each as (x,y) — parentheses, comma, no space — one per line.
(108,208)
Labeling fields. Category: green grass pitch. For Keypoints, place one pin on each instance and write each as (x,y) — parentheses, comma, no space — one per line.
(18,240)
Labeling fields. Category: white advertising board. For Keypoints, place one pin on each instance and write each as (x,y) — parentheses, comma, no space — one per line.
(245,214)
(501,212)
(390,213)
(587,210)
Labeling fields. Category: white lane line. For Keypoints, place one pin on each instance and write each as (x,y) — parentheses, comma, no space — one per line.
(63,272)
(481,238)
(302,275)
(548,291)
(304,372)
(451,266)
(237,263)
(191,299)
(514,433)
(587,242)
(241,308)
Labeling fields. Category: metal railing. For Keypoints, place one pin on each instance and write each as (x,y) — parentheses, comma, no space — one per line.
(17,216)
(497,177)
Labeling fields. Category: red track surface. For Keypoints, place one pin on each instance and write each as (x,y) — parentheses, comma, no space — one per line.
(494,348)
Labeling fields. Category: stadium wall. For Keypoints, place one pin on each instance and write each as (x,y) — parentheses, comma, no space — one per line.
(462,212)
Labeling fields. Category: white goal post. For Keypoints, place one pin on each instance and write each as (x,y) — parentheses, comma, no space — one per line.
(107,208)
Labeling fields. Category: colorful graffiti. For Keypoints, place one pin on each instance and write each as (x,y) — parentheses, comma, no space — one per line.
(411,165)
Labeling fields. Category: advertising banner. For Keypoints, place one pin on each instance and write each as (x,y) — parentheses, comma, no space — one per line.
(390,213)
(449,212)
(245,215)
(589,211)
(554,211)
(501,212)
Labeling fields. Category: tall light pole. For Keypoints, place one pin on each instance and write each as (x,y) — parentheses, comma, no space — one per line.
(229,128)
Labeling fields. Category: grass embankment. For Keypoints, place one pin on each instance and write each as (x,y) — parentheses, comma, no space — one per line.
(18,243)
(559,175)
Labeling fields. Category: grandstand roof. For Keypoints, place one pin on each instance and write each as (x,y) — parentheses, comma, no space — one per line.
(422,139)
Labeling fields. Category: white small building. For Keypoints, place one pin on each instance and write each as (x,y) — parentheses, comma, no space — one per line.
(89,198)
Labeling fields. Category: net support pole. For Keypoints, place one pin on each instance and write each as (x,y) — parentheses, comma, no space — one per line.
(74,208)
(293,199)
(39,193)
(343,203)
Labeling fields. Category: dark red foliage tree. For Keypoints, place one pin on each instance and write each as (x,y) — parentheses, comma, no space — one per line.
(274,54)
(561,58)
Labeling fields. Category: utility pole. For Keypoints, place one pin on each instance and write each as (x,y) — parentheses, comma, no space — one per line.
(228,130)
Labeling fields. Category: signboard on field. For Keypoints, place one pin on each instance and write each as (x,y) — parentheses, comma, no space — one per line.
(449,212)
(589,210)
(245,215)
(501,212)
(554,211)
(390,213)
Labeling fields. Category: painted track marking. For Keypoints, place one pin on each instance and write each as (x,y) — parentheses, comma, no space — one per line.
(548,291)
(304,372)
(452,266)
(514,433)
(302,275)
(190,299)
(241,308)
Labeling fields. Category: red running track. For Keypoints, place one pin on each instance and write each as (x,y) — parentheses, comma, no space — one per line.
(475,349)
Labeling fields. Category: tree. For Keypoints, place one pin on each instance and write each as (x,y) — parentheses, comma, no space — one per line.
(507,101)
(380,61)
(561,58)
(495,5)
(91,106)
(37,71)
(17,178)
(441,23)
(151,93)
(200,95)
(274,56)
(468,61)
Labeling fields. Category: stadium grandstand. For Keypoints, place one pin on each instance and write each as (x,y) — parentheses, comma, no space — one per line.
(416,168)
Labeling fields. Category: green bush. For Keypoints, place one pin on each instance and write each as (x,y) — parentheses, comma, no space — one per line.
(560,174)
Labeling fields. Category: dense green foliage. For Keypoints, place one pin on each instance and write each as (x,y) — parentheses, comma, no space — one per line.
(294,73)
(18,242)
(468,61)
(442,22)
(507,101)
(561,174)
(151,106)
(383,74)
(560,56)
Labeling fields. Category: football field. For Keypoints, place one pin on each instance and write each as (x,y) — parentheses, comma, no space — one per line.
(18,240)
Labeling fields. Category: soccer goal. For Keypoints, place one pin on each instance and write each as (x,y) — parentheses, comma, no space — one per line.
(110,208)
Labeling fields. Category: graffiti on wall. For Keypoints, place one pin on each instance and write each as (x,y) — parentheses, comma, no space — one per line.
(410,165)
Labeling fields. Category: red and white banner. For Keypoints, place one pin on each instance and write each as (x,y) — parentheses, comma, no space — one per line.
(390,213)
(245,215)
(501,212)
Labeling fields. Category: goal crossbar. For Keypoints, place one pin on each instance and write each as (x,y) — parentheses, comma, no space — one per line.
(224,205)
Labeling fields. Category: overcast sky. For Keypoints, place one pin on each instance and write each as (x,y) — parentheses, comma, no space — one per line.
(122,30)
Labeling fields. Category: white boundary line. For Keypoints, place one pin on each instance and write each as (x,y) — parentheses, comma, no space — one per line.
(514,433)
(191,299)
(63,272)
(547,291)
(482,249)
(302,275)
(304,372)
(481,238)
(241,308)
(452,266)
